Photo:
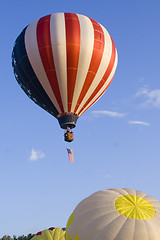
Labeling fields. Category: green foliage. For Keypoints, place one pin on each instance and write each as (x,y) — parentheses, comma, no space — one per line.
(28,237)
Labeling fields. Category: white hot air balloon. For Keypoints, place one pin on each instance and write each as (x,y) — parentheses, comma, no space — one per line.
(115,214)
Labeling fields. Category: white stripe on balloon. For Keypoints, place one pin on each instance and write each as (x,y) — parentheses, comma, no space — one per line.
(58,41)
(87,39)
(98,95)
(36,63)
(102,67)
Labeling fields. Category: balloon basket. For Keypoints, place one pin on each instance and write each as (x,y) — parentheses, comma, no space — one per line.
(68,136)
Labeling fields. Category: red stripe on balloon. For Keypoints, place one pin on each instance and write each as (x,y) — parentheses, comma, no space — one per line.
(72,48)
(97,54)
(80,113)
(39,233)
(45,50)
(103,81)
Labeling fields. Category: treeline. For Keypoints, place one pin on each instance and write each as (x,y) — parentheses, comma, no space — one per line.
(28,237)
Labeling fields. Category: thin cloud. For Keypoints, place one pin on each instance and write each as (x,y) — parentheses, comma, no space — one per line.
(139,123)
(107,176)
(36,154)
(109,113)
(151,98)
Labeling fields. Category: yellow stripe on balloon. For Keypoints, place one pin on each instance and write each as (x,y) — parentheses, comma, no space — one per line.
(132,206)
(70,220)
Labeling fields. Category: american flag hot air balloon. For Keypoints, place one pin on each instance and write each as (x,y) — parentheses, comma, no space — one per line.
(64,62)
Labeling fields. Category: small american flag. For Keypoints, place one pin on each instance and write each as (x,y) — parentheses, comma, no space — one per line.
(70,155)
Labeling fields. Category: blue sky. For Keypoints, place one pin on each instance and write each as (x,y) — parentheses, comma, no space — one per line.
(117,141)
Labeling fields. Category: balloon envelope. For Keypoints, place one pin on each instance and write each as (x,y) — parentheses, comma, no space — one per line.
(51,234)
(115,214)
(64,62)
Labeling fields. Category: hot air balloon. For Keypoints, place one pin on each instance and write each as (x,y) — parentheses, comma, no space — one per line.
(51,234)
(64,62)
(115,214)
